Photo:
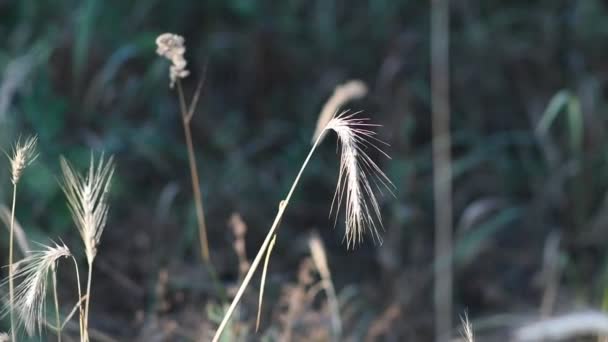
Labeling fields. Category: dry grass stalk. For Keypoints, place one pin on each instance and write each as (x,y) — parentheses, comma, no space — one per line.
(24,153)
(566,327)
(319,257)
(87,198)
(357,171)
(263,282)
(171,46)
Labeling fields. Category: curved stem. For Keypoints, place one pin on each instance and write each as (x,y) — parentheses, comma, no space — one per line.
(11,285)
(261,251)
(81,320)
(54,271)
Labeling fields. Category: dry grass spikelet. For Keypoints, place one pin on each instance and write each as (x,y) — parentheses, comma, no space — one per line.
(357,174)
(171,46)
(467,329)
(30,294)
(343,93)
(87,199)
(24,153)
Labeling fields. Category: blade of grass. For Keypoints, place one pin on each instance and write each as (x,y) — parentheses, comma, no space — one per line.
(263,281)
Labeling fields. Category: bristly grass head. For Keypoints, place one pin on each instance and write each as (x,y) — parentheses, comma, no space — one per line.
(87,199)
(23,154)
(467,329)
(357,173)
(30,294)
(343,93)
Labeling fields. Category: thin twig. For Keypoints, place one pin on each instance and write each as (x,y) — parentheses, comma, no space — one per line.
(71,314)
(198,202)
(197,94)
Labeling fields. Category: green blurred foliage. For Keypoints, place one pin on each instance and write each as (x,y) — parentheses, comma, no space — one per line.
(528,120)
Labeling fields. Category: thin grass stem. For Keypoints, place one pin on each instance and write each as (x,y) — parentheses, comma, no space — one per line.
(262,250)
(11,285)
(198,202)
(86,304)
(81,318)
(196,189)
(56,299)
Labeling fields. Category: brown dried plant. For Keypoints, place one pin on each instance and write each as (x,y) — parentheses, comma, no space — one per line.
(172,47)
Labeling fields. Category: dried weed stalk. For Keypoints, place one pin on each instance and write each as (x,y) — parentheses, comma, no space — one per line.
(357,173)
(24,153)
(172,47)
(87,198)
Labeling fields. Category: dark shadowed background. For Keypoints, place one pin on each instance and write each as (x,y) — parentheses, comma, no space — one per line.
(529,147)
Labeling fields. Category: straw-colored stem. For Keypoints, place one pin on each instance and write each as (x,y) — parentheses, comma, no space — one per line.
(261,251)
(198,202)
(86,304)
(56,299)
(11,285)
(81,318)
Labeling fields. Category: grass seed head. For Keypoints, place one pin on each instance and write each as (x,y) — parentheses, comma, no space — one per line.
(343,93)
(24,153)
(357,174)
(87,199)
(467,329)
(30,294)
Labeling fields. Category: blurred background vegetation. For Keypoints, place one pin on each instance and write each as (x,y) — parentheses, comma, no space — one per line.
(530,153)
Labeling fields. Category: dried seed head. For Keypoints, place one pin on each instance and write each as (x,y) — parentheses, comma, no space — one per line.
(317,251)
(30,294)
(171,46)
(343,93)
(467,329)
(24,153)
(87,199)
(357,173)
